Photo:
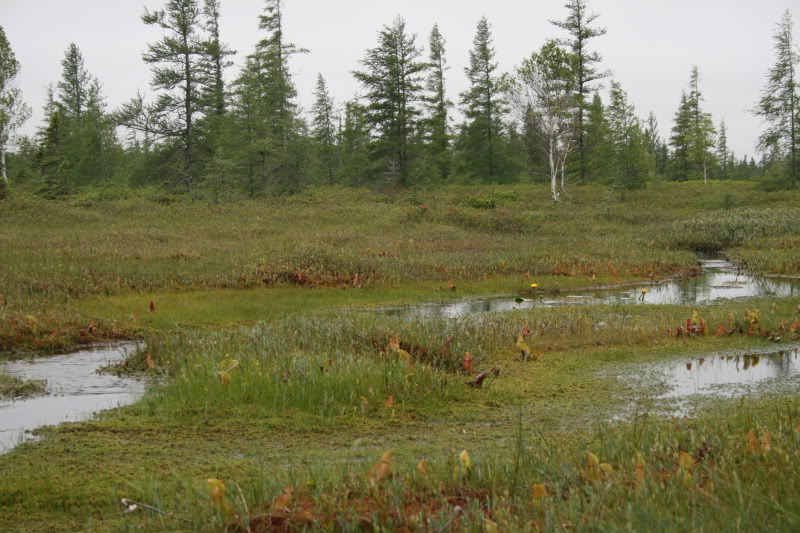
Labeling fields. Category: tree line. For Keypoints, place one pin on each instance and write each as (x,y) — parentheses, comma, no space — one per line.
(544,122)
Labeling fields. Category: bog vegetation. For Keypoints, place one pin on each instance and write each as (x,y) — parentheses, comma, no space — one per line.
(251,252)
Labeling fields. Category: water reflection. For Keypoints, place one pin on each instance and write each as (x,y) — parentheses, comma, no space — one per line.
(725,374)
(75,390)
(718,280)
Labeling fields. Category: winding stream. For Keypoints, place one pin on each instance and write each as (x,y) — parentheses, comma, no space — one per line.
(718,280)
(75,391)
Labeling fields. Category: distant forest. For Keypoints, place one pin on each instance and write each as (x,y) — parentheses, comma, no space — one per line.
(195,132)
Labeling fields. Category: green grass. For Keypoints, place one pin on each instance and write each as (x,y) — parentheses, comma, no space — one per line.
(270,365)
(106,257)
(14,387)
(306,405)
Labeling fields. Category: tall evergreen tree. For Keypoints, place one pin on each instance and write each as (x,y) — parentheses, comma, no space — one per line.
(680,140)
(484,106)
(279,90)
(89,141)
(723,153)
(76,88)
(250,112)
(779,106)
(177,74)
(214,61)
(579,25)
(656,146)
(13,111)
(392,78)
(324,129)
(598,146)
(632,163)
(354,139)
(701,130)
(438,106)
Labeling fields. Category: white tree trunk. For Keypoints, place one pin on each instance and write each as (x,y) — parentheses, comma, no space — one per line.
(553,174)
(3,166)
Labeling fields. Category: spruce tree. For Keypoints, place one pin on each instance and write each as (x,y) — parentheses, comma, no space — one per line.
(324,130)
(653,143)
(680,141)
(214,61)
(723,153)
(89,149)
(354,140)
(599,149)
(76,83)
(438,106)
(392,79)
(13,111)
(631,163)
(175,61)
(482,142)
(213,129)
(586,64)
(701,131)
(779,106)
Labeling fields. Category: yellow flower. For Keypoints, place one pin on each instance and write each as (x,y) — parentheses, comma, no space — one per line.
(534,285)
(645,291)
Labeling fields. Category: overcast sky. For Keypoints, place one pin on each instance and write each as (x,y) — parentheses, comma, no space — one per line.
(650,46)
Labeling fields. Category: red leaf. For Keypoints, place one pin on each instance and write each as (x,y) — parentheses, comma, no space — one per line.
(468,363)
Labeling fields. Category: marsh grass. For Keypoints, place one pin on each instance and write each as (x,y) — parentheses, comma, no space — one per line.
(270,363)
(121,250)
(656,474)
(14,387)
(335,368)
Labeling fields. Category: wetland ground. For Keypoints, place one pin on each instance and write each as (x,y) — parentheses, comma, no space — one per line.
(276,403)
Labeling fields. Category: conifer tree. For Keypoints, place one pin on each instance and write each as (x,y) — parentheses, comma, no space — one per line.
(177,75)
(77,87)
(324,129)
(278,89)
(779,106)
(89,144)
(438,106)
(680,140)
(701,130)
(354,139)
(632,164)
(482,138)
(599,150)
(214,127)
(587,72)
(214,61)
(723,153)
(392,78)
(13,111)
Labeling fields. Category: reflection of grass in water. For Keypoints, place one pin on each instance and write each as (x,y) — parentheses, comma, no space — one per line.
(14,387)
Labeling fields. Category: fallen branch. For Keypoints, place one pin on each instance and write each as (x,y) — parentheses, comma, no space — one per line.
(131,506)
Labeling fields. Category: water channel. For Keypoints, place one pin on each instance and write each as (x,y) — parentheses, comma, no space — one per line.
(75,391)
(718,280)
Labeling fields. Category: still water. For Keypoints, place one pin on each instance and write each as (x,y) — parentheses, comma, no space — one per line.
(718,280)
(75,391)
